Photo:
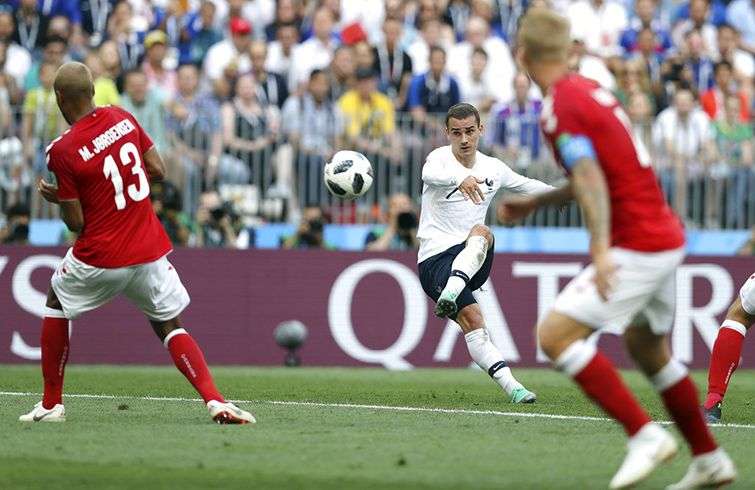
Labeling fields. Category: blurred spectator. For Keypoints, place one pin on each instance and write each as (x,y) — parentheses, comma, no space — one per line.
(342,72)
(105,91)
(368,13)
(54,52)
(504,17)
(271,87)
(369,118)
(364,56)
(309,234)
(513,132)
(741,15)
(400,231)
(42,120)
(435,91)
(393,63)
(742,61)
(653,64)
(645,19)
(230,57)
(599,23)
(315,52)
(640,112)
(148,107)
(475,87)
(249,133)
(734,143)
(31,26)
(160,77)
(590,66)
(16,229)
(698,62)
(15,60)
(15,174)
(456,15)
(215,221)
(313,126)
(287,13)
(419,51)
(111,63)
(500,67)
(94,15)
(199,34)
(699,20)
(717,11)
(712,101)
(194,130)
(281,50)
(166,202)
(633,79)
(683,134)
(128,33)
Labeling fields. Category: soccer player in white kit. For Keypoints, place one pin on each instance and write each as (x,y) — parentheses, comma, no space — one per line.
(727,349)
(456,248)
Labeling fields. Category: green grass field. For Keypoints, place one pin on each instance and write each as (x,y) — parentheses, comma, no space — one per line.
(131,442)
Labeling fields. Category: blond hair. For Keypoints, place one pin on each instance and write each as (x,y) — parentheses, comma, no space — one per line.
(544,35)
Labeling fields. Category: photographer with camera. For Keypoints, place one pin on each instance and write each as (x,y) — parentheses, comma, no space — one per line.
(310,231)
(16,229)
(166,201)
(400,232)
(215,219)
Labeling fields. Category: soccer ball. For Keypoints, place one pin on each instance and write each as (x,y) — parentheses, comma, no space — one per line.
(348,175)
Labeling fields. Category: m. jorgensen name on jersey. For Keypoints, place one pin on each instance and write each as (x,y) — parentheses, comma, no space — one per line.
(104,140)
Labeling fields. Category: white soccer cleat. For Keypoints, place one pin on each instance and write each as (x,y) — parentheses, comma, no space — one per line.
(707,470)
(651,446)
(41,414)
(228,413)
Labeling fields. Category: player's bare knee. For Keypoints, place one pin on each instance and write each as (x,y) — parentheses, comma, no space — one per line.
(162,329)
(739,314)
(483,231)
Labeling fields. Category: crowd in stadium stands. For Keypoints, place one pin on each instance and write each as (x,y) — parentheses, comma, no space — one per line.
(247,99)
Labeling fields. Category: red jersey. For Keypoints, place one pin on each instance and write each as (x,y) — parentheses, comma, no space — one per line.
(99,162)
(578,108)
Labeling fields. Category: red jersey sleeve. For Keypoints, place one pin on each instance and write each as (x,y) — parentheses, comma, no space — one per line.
(565,123)
(66,184)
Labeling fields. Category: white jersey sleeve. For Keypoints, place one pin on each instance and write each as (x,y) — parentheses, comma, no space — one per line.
(513,182)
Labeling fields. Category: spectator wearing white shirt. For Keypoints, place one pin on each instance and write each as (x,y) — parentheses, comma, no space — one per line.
(699,20)
(314,53)
(683,135)
(742,61)
(599,23)
(590,66)
(280,51)
(431,34)
(500,68)
(474,87)
(741,15)
(16,61)
(230,57)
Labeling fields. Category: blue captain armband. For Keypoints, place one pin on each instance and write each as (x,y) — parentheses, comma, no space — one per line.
(574,148)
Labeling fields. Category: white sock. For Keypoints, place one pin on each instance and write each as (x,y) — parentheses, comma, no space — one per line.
(466,264)
(489,358)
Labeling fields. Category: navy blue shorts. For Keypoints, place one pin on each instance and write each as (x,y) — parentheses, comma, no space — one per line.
(435,271)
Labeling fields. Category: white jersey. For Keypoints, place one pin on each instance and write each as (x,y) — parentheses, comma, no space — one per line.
(447,218)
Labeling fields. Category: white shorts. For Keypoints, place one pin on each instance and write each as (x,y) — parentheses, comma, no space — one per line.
(644,290)
(747,295)
(154,287)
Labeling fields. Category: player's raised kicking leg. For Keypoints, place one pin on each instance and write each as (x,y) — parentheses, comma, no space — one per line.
(727,349)
(462,274)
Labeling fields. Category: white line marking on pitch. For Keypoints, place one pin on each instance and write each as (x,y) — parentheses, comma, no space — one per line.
(454,411)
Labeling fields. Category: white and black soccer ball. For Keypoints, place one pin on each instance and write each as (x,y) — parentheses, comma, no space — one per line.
(348,175)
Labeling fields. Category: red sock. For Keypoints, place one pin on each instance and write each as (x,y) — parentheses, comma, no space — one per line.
(599,379)
(724,360)
(190,361)
(683,405)
(54,344)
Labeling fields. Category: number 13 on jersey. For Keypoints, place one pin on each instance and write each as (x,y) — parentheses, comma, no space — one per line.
(128,154)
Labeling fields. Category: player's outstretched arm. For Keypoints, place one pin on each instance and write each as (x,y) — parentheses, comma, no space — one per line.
(438,173)
(591,192)
(154,164)
(515,208)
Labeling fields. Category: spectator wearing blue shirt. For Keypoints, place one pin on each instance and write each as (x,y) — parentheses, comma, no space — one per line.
(433,92)
(698,62)
(513,132)
(645,18)
(717,12)
(199,34)
(741,15)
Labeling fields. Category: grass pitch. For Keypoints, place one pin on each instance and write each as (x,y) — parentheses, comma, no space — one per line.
(132,442)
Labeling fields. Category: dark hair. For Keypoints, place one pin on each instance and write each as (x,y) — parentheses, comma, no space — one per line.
(479,50)
(726,25)
(55,39)
(463,111)
(722,64)
(436,48)
(316,72)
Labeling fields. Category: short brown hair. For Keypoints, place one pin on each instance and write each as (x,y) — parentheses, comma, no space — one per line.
(463,111)
(544,35)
